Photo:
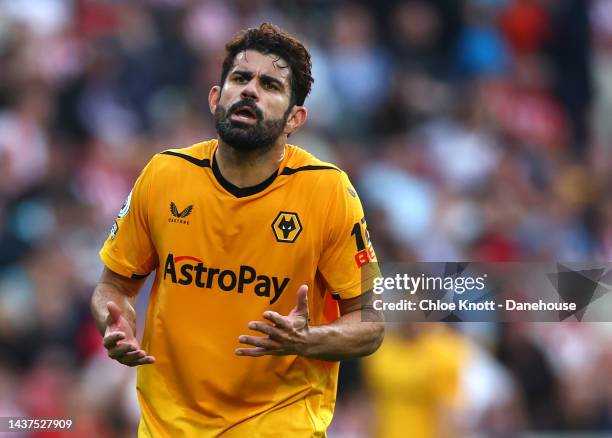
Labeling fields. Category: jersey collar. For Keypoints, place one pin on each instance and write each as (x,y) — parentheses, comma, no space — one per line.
(240,192)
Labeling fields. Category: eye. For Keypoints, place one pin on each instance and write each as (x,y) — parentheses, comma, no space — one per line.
(270,86)
(239,79)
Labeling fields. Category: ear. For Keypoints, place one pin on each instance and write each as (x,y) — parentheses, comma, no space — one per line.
(213,98)
(296,119)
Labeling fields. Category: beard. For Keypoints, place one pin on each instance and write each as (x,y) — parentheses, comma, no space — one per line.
(243,137)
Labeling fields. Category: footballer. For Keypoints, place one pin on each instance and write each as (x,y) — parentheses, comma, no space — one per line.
(263,265)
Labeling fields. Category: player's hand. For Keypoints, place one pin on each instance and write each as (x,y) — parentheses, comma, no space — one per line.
(286,335)
(120,339)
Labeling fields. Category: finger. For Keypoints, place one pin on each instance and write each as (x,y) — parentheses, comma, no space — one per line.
(302,300)
(132,341)
(278,319)
(259,341)
(133,361)
(136,353)
(129,358)
(269,330)
(111,339)
(256,352)
(120,350)
(114,312)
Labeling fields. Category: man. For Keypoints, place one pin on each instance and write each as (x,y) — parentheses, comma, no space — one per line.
(422,398)
(249,237)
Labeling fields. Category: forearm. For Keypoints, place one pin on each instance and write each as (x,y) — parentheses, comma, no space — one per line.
(345,338)
(105,292)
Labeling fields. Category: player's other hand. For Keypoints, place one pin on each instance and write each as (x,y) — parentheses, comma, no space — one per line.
(288,335)
(120,339)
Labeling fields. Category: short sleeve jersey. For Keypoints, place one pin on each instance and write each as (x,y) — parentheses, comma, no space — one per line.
(222,255)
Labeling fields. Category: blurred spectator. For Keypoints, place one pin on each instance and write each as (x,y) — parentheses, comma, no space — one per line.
(532,371)
(359,67)
(481,49)
(570,53)
(414,381)
(24,139)
(526,25)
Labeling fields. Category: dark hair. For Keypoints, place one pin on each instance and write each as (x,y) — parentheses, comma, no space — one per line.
(269,39)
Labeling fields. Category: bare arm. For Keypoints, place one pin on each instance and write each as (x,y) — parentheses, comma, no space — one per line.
(347,337)
(358,332)
(118,289)
(112,307)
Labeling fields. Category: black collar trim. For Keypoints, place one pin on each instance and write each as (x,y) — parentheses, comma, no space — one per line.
(241,192)
(291,170)
(205,162)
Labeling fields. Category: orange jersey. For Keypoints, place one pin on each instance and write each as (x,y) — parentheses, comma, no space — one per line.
(415,382)
(223,255)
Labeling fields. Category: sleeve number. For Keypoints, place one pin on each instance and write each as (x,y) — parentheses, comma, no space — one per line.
(361,244)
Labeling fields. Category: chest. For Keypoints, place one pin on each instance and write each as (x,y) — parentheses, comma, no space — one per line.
(256,248)
(280,232)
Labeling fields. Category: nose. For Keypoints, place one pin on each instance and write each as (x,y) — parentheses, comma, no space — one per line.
(250,91)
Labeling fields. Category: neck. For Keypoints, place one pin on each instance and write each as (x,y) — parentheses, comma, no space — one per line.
(249,168)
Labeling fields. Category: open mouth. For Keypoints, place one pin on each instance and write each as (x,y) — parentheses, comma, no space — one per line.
(244,114)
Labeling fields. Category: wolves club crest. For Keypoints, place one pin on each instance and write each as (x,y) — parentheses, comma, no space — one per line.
(286,227)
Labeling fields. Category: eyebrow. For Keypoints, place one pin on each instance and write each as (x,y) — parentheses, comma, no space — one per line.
(266,78)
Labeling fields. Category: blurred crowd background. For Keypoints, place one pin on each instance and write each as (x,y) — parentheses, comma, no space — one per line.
(473,130)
